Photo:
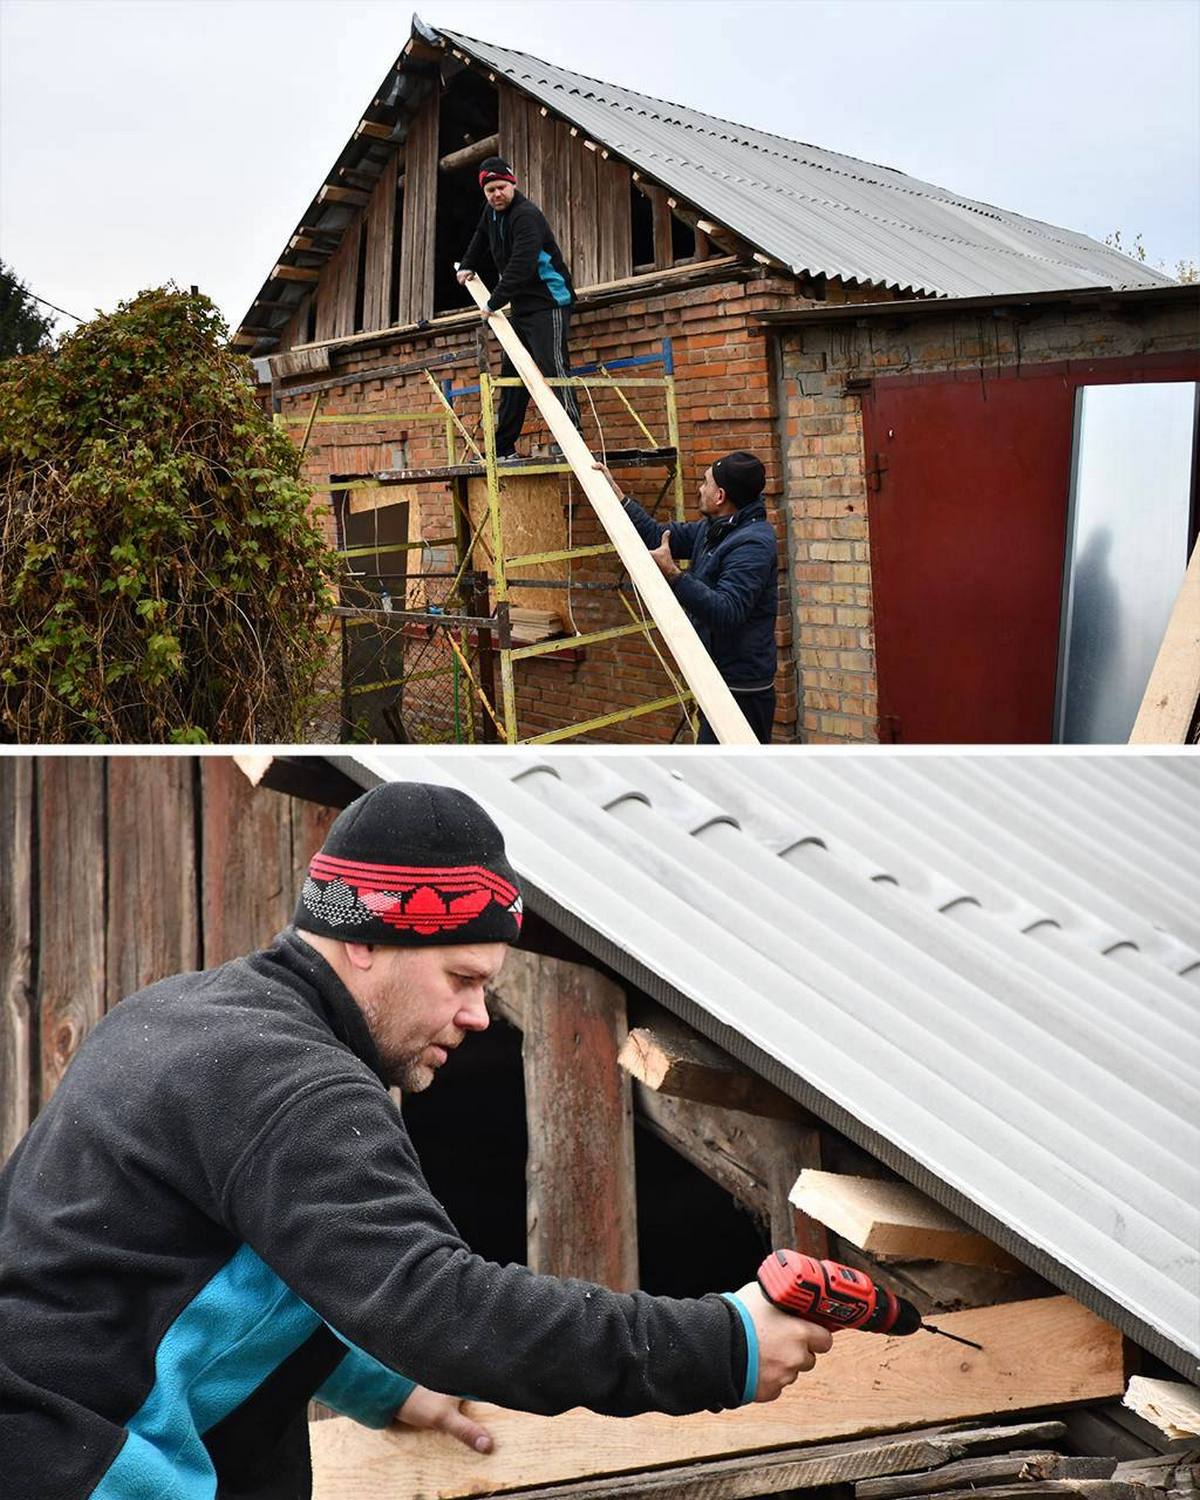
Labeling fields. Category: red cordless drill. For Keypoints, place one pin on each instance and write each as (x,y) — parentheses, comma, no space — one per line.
(836,1296)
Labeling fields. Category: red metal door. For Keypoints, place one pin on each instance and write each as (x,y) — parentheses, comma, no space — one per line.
(968,527)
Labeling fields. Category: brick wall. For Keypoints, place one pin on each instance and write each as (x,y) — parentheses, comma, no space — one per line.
(726,395)
(827,504)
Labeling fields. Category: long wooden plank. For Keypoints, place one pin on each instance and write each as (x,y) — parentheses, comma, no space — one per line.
(584,255)
(153,904)
(1023,1466)
(1036,1355)
(710,690)
(893,1219)
(16,949)
(420,200)
(580,1198)
(1059,1489)
(1169,704)
(347,291)
(1170,1405)
(765,1474)
(381,224)
(71,938)
(330,295)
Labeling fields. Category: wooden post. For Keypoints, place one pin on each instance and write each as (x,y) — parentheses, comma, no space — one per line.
(71,899)
(581,1201)
(153,905)
(16,949)
(713,695)
(664,253)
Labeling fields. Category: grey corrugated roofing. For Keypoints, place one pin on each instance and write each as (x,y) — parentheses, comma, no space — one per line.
(984,970)
(817,211)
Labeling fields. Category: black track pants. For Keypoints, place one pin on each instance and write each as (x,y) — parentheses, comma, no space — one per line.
(759,709)
(544,334)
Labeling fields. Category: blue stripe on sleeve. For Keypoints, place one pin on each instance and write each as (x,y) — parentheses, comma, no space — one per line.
(363,1388)
(751,1346)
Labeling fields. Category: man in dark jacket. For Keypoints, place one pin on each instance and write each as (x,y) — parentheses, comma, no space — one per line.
(730,591)
(533,276)
(219,1214)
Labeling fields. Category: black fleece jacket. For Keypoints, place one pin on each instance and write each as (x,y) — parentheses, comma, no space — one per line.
(219,1213)
(532,272)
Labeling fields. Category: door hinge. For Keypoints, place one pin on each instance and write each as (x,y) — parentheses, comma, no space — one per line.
(878,468)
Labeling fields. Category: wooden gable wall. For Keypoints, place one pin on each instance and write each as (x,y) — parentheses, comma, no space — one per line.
(585,196)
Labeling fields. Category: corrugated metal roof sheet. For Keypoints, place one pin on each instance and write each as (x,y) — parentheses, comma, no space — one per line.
(984,969)
(819,212)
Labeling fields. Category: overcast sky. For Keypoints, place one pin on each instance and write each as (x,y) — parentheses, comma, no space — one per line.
(144,141)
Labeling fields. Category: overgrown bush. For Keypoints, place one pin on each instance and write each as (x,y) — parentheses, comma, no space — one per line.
(162,578)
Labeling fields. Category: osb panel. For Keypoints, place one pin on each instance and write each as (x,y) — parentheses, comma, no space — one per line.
(532,514)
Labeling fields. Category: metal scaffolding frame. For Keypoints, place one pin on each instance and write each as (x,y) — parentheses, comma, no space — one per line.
(466,611)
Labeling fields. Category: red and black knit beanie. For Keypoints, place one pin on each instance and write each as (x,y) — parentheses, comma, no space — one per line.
(408,865)
(496,169)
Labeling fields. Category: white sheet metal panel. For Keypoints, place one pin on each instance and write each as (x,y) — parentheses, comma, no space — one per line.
(977,966)
(817,211)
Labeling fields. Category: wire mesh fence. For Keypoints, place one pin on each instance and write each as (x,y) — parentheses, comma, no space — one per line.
(416,676)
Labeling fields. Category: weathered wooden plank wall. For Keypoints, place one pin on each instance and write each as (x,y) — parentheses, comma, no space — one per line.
(336,289)
(153,917)
(585,197)
(381,230)
(420,212)
(119,871)
(71,919)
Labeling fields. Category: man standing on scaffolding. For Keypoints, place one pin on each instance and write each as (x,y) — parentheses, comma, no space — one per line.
(534,277)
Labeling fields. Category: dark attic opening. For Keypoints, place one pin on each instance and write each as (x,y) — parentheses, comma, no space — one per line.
(683,240)
(469,1131)
(468,126)
(641,219)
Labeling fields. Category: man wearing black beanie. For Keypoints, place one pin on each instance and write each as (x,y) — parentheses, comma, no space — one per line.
(533,276)
(730,591)
(219,1214)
